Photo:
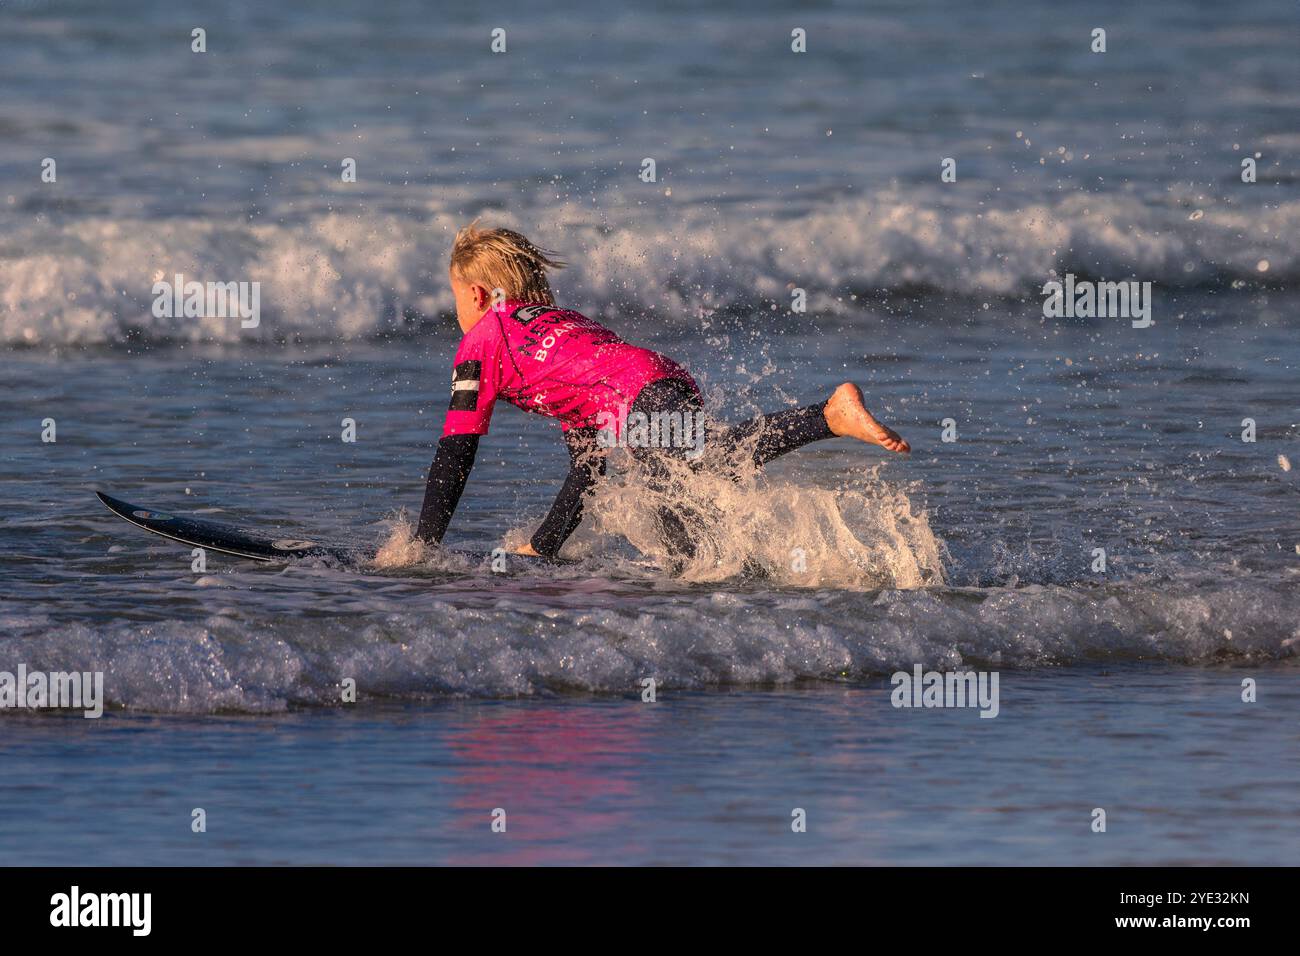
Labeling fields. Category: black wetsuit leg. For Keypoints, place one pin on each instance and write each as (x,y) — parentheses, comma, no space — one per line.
(773,435)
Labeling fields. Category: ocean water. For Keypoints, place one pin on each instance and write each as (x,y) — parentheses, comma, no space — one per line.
(1121,688)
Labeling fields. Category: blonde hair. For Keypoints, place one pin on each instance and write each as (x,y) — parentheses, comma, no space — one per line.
(504,259)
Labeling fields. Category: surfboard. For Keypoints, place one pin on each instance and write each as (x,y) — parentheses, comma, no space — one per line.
(258,544)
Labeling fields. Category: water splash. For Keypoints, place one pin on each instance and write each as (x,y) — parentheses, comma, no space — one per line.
(864,535)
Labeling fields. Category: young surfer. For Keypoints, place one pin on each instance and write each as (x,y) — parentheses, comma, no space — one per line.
(519,346)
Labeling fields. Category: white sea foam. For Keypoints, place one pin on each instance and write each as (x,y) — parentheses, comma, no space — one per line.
(518,646)
(336,277)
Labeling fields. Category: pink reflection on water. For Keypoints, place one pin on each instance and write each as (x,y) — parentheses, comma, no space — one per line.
(562,776)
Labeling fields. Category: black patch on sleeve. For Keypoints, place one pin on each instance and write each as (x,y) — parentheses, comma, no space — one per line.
(465,379)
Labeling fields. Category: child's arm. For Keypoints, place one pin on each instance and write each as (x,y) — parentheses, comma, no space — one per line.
(447,477)
(586,464)
(473,396)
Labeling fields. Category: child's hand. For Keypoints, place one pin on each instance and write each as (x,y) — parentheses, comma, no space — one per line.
(401,549)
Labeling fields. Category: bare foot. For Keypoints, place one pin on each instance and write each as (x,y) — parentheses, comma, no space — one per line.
(847,416)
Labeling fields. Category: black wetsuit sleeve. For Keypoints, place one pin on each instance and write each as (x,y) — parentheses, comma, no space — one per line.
(586,464)
(447,477)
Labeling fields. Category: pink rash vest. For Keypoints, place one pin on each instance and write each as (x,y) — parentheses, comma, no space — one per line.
(554,362)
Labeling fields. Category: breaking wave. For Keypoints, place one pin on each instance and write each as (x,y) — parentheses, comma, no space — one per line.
(337,277)
(516,646)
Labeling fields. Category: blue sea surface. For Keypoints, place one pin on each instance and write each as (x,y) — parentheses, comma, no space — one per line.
(696,778)
(1080,514)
